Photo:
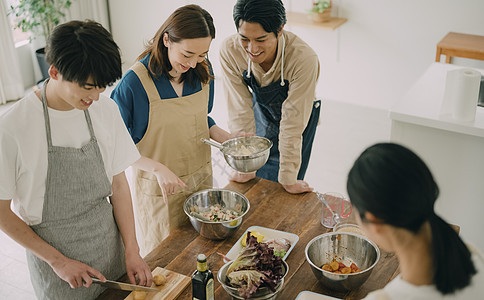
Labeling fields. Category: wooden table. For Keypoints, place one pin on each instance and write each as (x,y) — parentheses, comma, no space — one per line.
(271,207)
(460,45)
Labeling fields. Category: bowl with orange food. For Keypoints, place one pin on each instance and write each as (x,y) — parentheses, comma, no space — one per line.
(342,261)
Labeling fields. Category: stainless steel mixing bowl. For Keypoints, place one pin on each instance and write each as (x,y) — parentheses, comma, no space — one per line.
(262,293)
(234,155)
(227,199)
(347,248)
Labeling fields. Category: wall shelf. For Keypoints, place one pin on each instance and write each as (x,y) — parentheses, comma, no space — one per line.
(302,19)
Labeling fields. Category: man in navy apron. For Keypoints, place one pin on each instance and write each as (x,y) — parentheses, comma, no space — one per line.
(270,77)
(64,150)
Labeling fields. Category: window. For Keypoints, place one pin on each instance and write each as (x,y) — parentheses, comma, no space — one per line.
(19,38)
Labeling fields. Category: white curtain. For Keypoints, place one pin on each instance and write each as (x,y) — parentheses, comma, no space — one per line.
(96,10)
(11,85)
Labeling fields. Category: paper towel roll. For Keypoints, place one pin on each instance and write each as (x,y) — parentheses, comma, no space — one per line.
(464,93)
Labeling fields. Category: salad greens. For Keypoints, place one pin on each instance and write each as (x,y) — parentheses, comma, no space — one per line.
(281,252)
(255,266)
(252,279)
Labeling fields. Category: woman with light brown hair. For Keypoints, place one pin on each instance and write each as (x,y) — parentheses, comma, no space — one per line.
(165,99)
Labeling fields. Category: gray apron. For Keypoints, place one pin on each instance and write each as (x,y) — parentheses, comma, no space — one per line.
(77,219)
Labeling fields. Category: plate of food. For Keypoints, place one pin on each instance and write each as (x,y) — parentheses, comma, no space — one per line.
(282,242)
(256,273)
(307,295)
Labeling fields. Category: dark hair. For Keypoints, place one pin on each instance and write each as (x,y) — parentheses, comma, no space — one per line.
(270,14)
(396,186)
(83,50)
(187,22)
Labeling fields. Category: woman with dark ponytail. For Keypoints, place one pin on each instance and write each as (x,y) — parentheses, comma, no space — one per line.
(394,193)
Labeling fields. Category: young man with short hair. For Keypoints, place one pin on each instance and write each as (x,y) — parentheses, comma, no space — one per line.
(270,78)
(63,152)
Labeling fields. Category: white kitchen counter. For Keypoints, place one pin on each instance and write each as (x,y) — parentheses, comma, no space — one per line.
(453,150)
(422,104)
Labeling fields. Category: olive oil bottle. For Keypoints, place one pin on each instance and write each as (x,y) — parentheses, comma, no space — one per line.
(202,280)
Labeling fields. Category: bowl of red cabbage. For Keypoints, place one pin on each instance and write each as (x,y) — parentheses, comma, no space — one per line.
(255,274)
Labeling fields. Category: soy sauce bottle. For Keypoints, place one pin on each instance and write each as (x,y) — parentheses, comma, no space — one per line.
(202,280)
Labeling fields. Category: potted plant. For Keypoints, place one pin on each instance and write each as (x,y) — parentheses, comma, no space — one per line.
(321,10)
(39,17)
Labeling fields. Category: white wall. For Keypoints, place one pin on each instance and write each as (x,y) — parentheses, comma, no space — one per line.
(386,45)
(370,60)
(133,23)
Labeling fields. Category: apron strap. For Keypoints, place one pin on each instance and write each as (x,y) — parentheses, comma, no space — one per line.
(140,70)
(46,114)
(89,125)
(47,119)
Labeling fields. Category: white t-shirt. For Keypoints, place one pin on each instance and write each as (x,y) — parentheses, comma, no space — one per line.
(399,289)
(23,148)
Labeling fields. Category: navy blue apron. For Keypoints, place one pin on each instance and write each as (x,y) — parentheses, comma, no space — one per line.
(267,104)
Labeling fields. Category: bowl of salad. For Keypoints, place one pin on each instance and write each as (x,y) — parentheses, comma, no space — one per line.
(255,274)
(216,213)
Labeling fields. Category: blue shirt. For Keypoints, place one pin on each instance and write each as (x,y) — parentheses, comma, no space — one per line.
(133,101)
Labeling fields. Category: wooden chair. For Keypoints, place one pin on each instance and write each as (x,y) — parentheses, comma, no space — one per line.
(460,45)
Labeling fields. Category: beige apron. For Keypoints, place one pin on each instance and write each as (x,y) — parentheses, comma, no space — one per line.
(175,127)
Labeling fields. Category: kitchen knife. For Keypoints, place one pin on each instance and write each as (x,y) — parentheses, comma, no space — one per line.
(124,286)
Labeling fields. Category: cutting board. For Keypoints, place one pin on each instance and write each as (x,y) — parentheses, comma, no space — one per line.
(174,285)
